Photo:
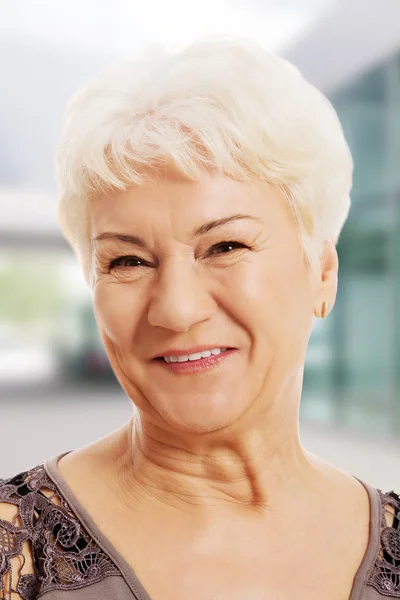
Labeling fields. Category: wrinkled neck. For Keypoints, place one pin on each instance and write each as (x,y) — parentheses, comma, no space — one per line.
(252,468)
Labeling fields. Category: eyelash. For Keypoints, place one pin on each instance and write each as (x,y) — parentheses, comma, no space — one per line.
(116,261)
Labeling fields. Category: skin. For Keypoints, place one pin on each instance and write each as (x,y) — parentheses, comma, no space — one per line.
(220,451)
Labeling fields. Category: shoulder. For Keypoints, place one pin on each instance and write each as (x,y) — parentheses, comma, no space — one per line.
(17,573)
(43,545)
(385,574)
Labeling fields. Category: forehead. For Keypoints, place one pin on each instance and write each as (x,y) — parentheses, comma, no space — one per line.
(174,200)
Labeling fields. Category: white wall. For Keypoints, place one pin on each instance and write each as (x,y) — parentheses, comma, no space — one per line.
(349,39)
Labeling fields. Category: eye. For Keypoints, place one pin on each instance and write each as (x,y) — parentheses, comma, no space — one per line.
(226,247)
(126,261)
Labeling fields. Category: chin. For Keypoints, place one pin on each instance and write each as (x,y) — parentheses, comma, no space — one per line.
(211,414)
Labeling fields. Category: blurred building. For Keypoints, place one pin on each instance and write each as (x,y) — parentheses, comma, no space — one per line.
(47,331)
(353,56)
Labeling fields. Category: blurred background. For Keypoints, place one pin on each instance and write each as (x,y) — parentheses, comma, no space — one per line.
(57,391)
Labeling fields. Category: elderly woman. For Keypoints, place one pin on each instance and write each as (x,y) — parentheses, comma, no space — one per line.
(203,192)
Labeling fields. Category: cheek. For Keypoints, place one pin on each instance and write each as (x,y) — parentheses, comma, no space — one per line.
(114,312)
(270,296)
(257,287)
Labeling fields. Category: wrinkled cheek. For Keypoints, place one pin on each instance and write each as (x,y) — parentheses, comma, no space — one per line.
(113,316)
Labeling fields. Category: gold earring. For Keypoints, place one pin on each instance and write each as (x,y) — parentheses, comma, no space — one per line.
(325,309)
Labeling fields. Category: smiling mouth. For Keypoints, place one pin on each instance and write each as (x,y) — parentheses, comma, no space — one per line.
(194,365)
(197,357)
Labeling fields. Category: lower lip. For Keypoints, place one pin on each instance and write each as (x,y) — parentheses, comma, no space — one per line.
(196,366)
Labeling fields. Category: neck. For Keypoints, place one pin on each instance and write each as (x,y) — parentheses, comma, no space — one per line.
(258,467)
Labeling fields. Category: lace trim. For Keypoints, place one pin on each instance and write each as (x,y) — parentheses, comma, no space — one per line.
(385,575)
(64,555)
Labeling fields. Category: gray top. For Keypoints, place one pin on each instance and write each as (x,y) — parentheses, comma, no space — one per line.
(71,554)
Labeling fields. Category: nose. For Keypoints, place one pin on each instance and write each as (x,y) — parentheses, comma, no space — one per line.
(181,298)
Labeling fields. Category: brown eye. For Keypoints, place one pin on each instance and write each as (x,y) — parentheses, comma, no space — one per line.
(226,247)
(126,261)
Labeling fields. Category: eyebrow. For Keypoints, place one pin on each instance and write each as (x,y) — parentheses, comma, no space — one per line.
(196,232)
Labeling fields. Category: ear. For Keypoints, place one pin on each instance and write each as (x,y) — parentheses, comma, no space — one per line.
(328,279)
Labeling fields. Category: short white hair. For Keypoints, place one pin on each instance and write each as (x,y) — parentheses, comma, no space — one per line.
(222,103)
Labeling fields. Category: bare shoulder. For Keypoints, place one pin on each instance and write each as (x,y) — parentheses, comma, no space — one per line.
(344,488)
(90,470)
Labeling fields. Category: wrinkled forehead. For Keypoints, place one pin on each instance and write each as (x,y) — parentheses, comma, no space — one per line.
(174,199)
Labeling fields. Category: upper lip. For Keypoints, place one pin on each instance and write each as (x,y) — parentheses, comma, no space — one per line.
(180,352)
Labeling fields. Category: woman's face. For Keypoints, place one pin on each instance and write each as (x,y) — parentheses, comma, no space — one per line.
(210,264)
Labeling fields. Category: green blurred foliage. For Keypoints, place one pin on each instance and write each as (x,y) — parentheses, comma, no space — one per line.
(29,289)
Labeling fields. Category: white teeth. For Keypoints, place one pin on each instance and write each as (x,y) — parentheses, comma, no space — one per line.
(195,356)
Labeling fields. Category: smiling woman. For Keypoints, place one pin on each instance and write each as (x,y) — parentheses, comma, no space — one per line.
(203,192)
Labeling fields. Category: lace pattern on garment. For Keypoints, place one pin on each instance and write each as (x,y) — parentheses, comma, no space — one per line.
(385,575)
(64,555)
